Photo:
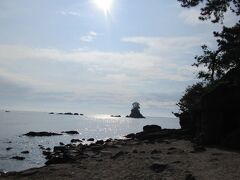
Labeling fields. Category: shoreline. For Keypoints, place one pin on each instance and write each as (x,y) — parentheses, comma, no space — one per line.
(153,153)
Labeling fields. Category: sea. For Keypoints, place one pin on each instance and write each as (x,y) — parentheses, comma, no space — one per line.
(14,124)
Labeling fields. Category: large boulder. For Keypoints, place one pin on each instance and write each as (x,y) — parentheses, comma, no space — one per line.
(151,128)
(153,132)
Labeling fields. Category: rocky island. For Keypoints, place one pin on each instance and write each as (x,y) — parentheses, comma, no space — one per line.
(135,112)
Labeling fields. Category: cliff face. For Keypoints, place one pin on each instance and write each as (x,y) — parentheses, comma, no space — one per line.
(219,114)
(217,119)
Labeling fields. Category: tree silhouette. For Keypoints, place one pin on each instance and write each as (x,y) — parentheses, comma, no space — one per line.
(191,98)
(136,105)
(209,59)
(225,58)
(229,46)
(213,9)
(219,64)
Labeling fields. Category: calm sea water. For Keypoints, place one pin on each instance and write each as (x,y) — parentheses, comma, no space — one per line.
(16,123)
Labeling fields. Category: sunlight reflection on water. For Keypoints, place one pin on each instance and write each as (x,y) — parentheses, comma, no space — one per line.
(101,126)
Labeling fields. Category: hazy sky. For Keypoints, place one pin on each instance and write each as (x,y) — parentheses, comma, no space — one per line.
(72,55)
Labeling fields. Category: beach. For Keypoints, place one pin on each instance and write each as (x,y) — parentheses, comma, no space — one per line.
(170,154)
(119,90)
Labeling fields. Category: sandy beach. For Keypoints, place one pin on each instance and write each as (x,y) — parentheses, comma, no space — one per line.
(77,77)
(161,158)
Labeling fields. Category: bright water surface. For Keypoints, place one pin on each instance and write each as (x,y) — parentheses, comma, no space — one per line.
(16,123)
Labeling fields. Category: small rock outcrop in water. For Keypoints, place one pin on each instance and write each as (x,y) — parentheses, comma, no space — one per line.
(115,115)
(25,152)
(42,133)
(8,148)
(18,157)
(70,132)
(135,112)
(76,141)
(68,113)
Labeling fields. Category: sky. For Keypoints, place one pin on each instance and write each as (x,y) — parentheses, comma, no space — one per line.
(80,56)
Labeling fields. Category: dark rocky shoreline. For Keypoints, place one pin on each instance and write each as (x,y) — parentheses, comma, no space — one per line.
(76,150)
(153,153)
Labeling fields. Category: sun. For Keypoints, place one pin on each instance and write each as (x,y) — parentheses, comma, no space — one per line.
(104,5)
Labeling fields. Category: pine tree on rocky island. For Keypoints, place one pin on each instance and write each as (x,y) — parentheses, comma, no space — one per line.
(135,112)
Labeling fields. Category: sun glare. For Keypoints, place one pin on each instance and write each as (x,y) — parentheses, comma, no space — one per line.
(104,5)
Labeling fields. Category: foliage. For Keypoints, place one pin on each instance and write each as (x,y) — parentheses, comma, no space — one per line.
(225,58)
(191,97)
(136,105)
(216,62)
(229,46)
(213,9)
(210,60)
